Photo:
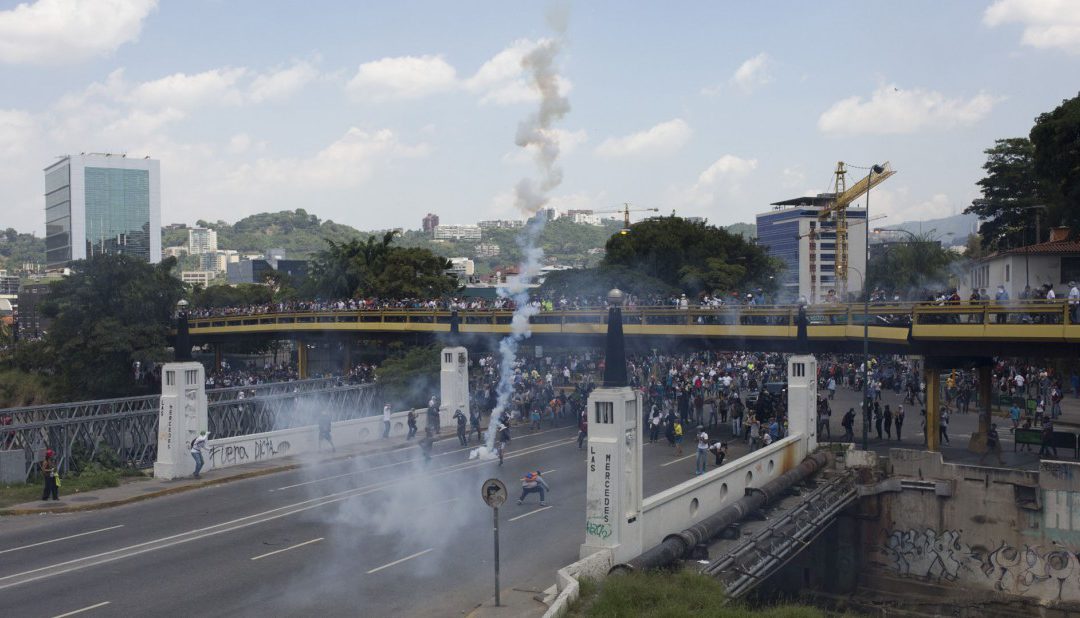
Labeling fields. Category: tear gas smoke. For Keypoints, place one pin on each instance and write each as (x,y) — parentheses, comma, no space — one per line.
(530,195)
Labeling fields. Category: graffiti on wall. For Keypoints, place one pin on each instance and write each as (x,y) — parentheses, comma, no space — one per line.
(942,556)
(254,450)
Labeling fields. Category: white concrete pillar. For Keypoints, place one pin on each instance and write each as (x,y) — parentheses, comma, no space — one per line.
(181,417)
(802,399)
(614,479)
(453,385)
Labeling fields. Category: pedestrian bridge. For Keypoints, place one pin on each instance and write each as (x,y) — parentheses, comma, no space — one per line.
(965,329)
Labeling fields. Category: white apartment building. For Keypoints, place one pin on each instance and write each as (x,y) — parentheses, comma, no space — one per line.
(197,277)
(458,232)
(201,240)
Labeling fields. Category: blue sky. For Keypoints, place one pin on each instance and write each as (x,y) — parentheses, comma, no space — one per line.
(374,114)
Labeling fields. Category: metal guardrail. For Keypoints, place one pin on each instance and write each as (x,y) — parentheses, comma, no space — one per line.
(126,428)
(880,314)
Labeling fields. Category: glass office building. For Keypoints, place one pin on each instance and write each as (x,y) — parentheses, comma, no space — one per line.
(101,203)
(810,270)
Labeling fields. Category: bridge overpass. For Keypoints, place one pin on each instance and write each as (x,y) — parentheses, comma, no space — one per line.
(963,330)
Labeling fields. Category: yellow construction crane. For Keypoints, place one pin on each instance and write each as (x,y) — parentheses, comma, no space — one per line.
(812,235)
(838,211)
(625,210)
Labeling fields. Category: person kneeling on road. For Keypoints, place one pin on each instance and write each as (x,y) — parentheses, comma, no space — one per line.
(533,483)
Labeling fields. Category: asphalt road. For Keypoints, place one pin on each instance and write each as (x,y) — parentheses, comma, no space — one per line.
(377,535)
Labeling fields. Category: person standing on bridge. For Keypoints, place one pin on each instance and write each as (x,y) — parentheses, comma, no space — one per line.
(386,411)
(848,423)
(48,470)
(898,420)
(411,420)
(197,446)
(583,429)
(324,431)
(462,427)
(474,419)
(943,424)
(702,451)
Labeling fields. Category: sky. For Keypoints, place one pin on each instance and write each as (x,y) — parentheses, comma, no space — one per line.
(376,113)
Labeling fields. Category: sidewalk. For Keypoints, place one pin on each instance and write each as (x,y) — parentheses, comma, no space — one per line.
(135,490)
(513,602)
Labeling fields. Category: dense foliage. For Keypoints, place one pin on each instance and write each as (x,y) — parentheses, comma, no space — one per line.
(112,311)
(297,232)
(17,249)
(909,268)
(1023,173)
(693,257)
(1009,191)
(379,269)
(1056,138)
(240,295)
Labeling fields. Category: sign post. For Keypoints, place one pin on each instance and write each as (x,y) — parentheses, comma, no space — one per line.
(494,494)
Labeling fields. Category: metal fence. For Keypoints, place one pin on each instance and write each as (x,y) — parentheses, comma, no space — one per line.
(124,431)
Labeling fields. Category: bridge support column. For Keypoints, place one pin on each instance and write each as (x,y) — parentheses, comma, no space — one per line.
(181,417)
(453,385)
(301,359)
(802,400)
(933,405)
(977,443)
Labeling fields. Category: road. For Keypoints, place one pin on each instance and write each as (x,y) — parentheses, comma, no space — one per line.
(370,535)
(376,535)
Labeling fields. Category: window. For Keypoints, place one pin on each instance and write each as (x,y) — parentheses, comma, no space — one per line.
(1007,272)
(192,375)
(605,411)
(798,370)
(170,378)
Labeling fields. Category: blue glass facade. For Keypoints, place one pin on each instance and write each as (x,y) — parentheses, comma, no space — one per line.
(117,212)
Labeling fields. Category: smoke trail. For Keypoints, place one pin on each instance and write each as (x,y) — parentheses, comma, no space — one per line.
(530,195)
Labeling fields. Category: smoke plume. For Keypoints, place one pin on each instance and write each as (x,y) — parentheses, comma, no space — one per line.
(531,195)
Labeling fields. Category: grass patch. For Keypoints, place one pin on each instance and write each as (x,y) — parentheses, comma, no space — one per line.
(93,477)
(670,595)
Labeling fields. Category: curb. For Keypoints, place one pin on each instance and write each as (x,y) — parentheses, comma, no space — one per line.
(76,508)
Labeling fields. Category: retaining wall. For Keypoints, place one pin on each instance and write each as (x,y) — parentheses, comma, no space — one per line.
(677,508)
(227,452)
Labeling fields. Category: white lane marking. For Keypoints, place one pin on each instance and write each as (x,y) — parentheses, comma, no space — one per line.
(387,566)
(85,609)
(396,463)
(248,520)
(63,538)
(288,548)
(677,460)
(533,512)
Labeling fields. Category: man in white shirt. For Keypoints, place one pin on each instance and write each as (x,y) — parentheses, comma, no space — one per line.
(197,447)
(1074,302)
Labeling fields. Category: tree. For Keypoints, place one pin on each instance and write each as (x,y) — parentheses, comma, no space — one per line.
(692,256)
(1009,191)
(111,311)
(597,282)
(373,268)
(1056,141)
(910,268)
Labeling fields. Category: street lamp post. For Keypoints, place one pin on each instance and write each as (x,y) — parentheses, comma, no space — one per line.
(874,169)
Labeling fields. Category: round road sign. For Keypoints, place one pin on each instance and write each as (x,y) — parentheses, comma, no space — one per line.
(493,491)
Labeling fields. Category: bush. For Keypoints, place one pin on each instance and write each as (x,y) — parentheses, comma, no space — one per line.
(96,476)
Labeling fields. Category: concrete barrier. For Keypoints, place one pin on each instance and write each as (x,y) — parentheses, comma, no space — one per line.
(687,503)
(567,580)
(238,450)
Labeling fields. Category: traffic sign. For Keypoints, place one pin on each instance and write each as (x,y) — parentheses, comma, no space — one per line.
(494,493)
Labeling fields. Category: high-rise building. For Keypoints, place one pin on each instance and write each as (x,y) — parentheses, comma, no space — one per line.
(458,232)
(810,259)
(431,221)
(102,203)
(201,240)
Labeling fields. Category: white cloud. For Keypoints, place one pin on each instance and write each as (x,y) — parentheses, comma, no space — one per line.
(185,91)
(405,77)
(347,162)
(281,83)
(899,206)
(724,176)
(17,129)
(662,139)
(793,176)
(67,31)
(753,73)
(1048,24)
(892,110)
